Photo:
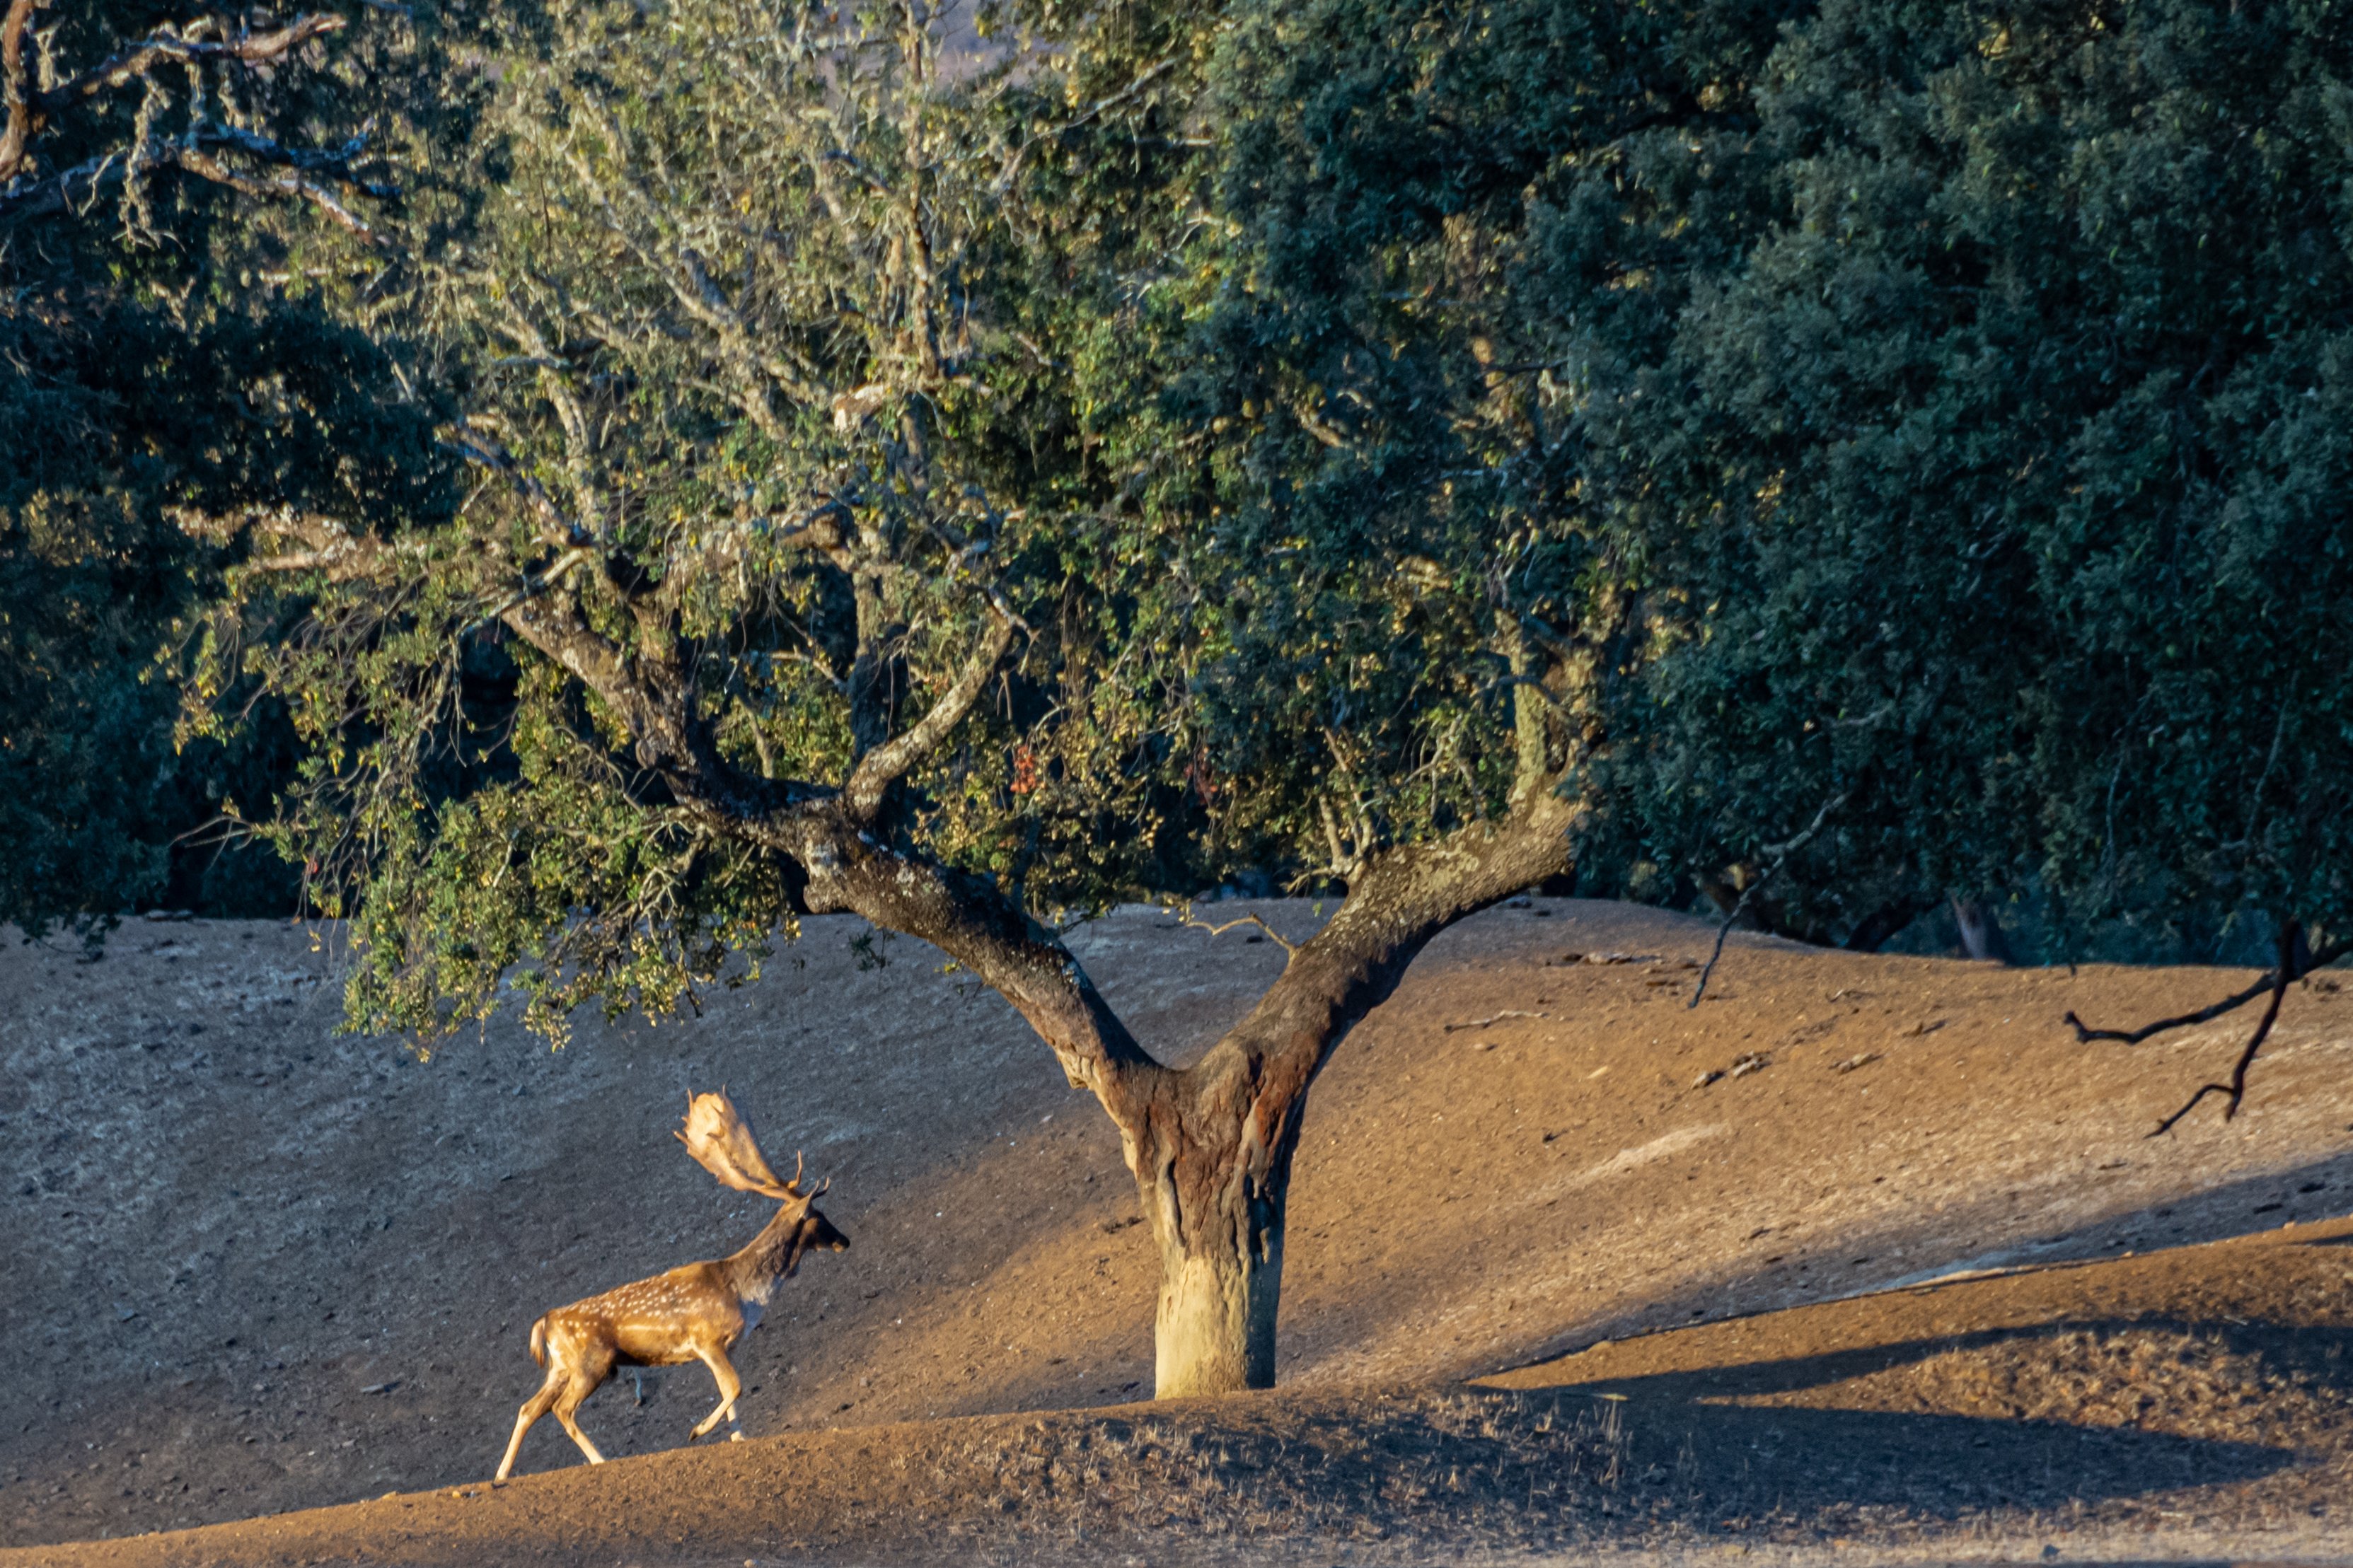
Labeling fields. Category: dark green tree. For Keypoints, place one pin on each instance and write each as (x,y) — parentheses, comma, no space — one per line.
(178,185)
(2003,477)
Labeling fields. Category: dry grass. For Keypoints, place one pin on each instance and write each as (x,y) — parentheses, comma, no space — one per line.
(1468,1468)
(2214,1384)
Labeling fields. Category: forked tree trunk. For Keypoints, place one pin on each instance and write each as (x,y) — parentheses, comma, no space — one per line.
(1211,1146)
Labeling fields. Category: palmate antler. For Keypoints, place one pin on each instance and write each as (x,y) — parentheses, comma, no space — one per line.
(720,1138)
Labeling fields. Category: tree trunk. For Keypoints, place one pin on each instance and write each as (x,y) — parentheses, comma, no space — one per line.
(1215,1330)
(1212,1162)
(1211,1146)
(1981,937)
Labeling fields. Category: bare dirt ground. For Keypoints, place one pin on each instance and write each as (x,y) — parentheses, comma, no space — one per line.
(256,1267)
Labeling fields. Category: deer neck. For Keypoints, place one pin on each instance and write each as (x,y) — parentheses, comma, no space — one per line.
(753,1273)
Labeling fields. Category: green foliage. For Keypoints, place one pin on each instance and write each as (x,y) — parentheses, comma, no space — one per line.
(1365,409)
(1332,388)
(2006,470)
(725,328)
(168,356)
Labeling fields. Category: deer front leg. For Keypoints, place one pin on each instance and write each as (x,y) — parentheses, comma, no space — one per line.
(730,1386)
(532,1409)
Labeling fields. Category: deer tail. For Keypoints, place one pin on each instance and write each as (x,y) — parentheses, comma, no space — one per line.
(539,1341)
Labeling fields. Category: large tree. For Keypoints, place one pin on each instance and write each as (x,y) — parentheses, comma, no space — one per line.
(959,495)
(175,180)
(2006,470)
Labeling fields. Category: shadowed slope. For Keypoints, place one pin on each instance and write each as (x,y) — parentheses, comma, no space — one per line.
(263,1266)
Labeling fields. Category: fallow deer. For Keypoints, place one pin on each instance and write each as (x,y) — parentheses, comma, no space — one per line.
(693,1313)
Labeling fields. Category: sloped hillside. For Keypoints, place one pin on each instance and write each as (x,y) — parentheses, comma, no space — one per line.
(258,1266)
(2189,1403)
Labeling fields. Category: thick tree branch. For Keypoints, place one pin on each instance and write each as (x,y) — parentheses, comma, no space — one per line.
(973,923)
(883,766)
(1252,1083)
(300,542)
(245,48)
(308,177)
(204,165)
(75,187)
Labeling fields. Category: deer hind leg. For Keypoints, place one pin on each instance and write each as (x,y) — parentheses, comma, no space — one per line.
(730,1386)
(532,1409)
(578,1387)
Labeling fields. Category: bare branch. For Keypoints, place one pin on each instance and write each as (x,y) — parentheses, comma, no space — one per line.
(653,238)
(249,49)
(206,167)
(563,530)
(320,544)
(1014,160)
(1280,940)
(1740,906)
(2235,1091)
(75,187)
(2269,979)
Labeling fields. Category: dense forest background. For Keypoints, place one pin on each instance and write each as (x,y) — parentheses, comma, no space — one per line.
(1897,453)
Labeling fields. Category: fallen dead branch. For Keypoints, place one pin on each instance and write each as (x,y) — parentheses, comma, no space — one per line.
(1482,1023)
(2293,965)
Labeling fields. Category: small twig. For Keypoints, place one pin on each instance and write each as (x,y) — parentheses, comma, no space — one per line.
(1280,940)
(2235,1090)
(1740,906)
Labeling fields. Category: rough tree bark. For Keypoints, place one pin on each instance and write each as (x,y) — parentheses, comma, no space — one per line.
(1211,1147)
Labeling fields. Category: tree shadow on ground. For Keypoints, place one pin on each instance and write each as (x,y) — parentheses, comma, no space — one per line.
(1738,1446)
(1947,1244)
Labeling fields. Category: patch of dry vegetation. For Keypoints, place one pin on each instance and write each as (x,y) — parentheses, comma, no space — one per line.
(2216,1382)
(1470,1467)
